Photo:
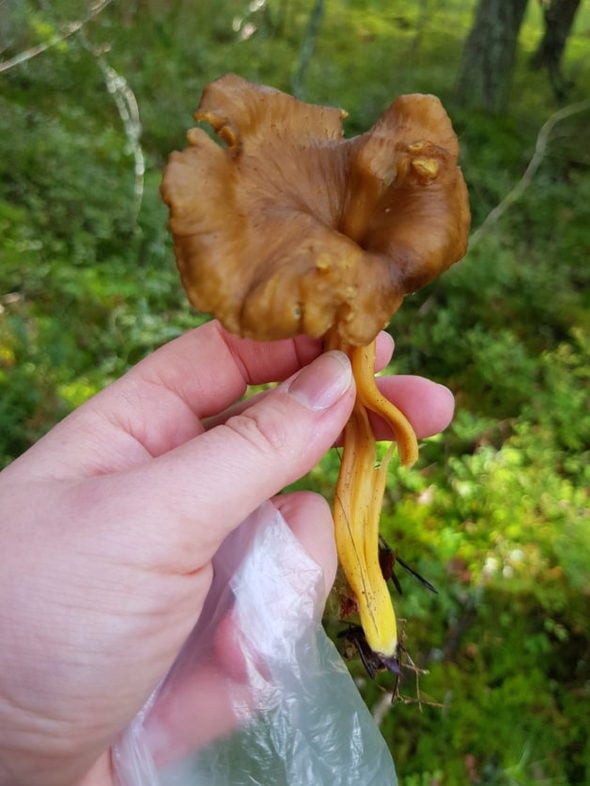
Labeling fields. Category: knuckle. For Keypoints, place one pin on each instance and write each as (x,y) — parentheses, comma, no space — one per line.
(266,431)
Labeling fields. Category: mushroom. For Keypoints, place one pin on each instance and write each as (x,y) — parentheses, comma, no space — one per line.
(288,228)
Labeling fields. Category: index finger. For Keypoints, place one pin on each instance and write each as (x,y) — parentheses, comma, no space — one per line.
(163,399)
(158,404)
(209,368)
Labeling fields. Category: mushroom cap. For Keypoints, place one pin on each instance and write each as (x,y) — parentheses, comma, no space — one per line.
(288,228)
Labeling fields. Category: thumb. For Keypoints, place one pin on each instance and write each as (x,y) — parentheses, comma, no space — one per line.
(203,489)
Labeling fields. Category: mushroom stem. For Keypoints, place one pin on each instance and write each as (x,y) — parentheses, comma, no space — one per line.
(363,369)
(359,498)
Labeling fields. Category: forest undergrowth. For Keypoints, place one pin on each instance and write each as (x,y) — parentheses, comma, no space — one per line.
(495,514)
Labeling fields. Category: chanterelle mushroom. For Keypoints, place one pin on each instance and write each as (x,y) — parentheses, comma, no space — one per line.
(289,228)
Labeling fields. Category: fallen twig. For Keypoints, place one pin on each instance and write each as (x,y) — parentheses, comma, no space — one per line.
(69,29)
(540,148)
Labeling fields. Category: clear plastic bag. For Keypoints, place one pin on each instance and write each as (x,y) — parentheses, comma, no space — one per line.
(268,700)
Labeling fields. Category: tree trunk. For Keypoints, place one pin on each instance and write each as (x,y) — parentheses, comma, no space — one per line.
(13,26)
(308,45)
(559,19)
(489,53)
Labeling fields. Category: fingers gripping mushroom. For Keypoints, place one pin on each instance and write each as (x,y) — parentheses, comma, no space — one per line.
(288,228)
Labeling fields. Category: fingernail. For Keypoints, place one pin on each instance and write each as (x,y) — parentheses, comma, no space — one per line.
(323,382)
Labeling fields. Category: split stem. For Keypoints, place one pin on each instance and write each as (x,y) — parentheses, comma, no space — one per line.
(359,498)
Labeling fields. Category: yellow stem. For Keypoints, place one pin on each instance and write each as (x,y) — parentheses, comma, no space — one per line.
(363,368)
(359,497)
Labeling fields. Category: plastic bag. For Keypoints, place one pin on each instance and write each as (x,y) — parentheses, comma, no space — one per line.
(267,698)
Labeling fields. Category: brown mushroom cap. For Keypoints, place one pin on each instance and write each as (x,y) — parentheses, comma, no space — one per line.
(290,229)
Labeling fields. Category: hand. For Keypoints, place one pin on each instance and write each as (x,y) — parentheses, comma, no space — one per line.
(111,520)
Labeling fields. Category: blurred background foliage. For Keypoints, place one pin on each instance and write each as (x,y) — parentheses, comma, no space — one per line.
(496,512)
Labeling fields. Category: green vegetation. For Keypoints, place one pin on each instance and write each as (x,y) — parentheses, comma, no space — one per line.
(496,513)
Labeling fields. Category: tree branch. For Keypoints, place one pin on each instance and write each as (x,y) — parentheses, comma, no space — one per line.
(69,29)
(128,110)
(540,149)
